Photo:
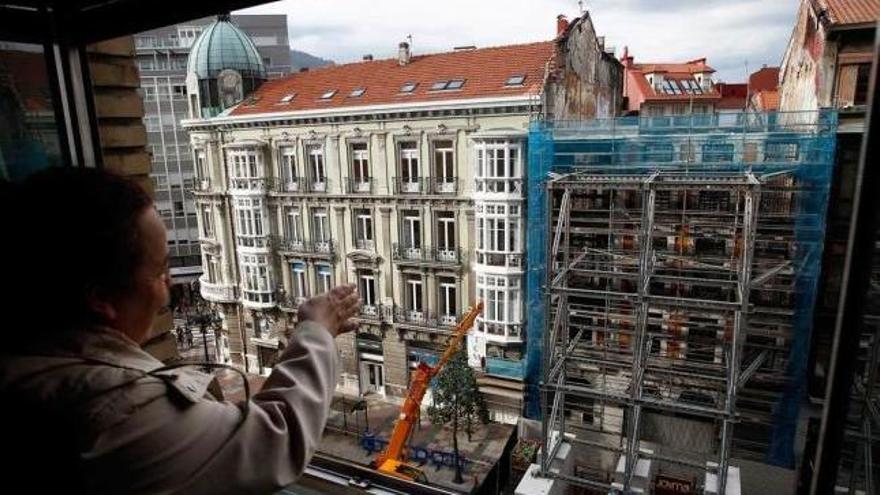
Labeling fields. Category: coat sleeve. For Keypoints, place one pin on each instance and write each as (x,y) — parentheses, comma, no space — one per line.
(218,447)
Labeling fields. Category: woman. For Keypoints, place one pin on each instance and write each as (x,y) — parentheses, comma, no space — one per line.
(89,411)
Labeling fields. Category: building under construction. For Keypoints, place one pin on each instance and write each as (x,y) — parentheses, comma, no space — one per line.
(679,265)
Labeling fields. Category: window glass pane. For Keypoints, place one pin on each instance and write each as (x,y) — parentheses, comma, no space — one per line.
(29,139)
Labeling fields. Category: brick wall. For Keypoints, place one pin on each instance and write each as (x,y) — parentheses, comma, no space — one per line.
(120,111)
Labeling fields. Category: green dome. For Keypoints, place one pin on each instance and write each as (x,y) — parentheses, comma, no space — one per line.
(223,46)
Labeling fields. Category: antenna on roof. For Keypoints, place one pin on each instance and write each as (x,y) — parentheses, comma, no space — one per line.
(409,39)
(581,7)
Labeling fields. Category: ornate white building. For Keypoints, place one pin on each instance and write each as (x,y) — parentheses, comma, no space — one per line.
(404,176)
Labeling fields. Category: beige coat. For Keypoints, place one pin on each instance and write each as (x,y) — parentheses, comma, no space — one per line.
(136,432)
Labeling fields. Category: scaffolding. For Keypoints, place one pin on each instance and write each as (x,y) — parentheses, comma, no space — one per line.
(679,261)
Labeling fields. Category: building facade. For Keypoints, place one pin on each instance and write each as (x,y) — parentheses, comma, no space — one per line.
(162,56)
(404,176)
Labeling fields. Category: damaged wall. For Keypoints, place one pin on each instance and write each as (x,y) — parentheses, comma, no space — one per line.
(585,81)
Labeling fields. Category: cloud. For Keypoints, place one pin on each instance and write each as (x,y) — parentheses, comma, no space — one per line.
(727,32)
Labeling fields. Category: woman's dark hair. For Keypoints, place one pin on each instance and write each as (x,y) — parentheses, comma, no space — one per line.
(71,234)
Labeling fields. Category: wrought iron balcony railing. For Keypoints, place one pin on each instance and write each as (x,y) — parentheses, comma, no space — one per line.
(356,185)
(409,254)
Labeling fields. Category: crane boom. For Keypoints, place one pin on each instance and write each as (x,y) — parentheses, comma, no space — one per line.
(391,460)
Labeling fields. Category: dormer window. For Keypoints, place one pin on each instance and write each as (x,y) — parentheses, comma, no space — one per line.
(357,92)
(328,94)
(288,97)
(515,80)
(408,87)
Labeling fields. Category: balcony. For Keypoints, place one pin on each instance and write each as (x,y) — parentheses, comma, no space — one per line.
(321,185)
(424,319)
(202,186)
(289,302)
(427,255)
(250,184)
(411,185)
(375,312)
(301,247)
(365,244)
(442,185)
(217,292)
(360,185)
(505,368)
(290,185)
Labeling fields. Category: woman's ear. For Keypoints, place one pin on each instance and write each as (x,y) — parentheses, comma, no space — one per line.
(102,307)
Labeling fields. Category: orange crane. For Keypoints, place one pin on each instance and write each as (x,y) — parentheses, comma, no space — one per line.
(393,459)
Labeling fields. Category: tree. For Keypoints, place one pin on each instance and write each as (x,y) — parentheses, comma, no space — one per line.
(457,398)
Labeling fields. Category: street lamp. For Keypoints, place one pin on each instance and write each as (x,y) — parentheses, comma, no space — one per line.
(205,316)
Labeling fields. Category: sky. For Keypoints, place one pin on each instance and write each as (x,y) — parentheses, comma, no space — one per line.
(732,34)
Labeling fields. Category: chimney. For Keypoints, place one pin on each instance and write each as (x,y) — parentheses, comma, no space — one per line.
(368,57)
(626,58)
(561,25)
(303,69)
(403,55)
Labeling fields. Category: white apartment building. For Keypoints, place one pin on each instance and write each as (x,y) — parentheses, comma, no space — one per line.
(404,176)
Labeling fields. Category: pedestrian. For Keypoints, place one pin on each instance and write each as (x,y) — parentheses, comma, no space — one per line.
(179,332)
(115,419)
(189,338)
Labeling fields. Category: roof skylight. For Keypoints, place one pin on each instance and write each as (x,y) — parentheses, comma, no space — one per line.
(357,92)
(515,80)
(328,94)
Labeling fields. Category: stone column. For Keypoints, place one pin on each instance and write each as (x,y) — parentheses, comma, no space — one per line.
(383,248)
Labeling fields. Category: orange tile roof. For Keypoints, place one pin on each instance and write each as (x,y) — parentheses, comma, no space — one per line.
(636,75)
(484,72)
(768,100)
(845,12)
(764,79)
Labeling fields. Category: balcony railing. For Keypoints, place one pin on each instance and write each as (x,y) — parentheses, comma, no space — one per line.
(202,185)
(306,247)
(411,185)
(365,244)
(321,185)
(355,185)
(216,292)
(290,301)
(290,184)
(375,311)
(442,185)
(258,184)
(402,253)
(424,318)
(505,368)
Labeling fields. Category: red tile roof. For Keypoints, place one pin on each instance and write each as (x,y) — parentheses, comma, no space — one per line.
(484,72)
(767,100)
(764,79)
(639,91)
(845,12)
